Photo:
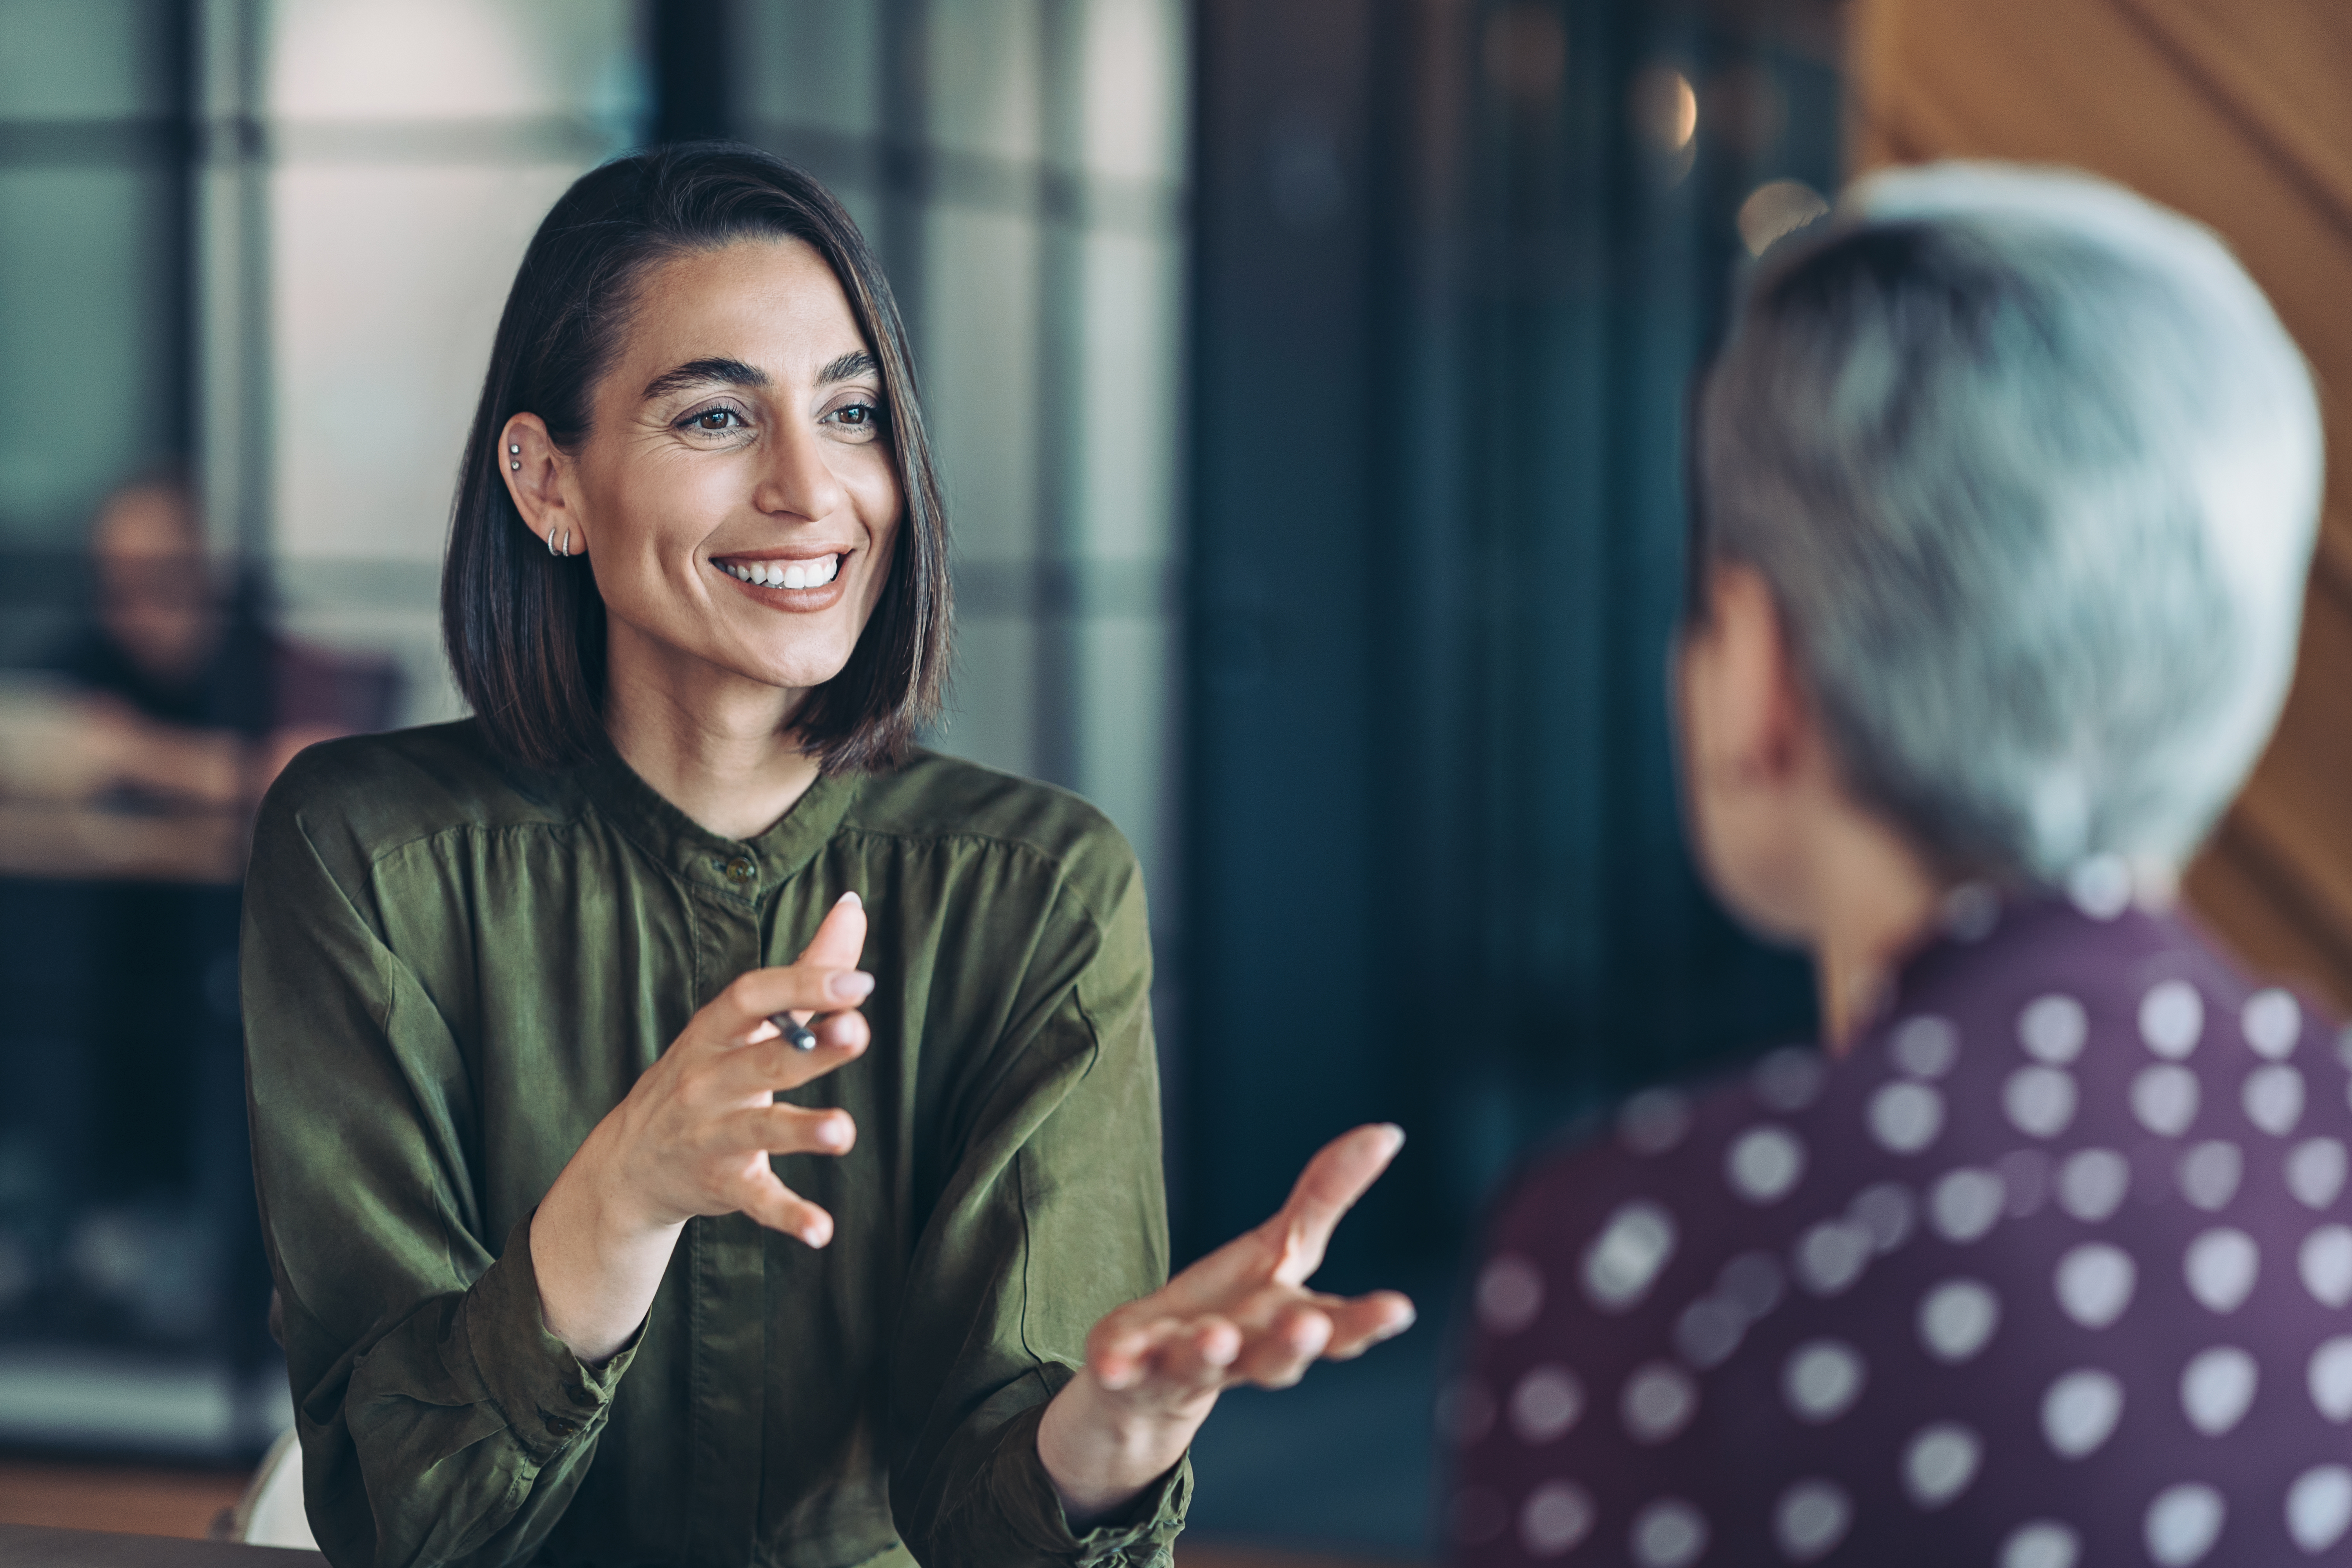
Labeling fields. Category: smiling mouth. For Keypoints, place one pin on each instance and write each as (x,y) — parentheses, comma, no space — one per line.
(803,572)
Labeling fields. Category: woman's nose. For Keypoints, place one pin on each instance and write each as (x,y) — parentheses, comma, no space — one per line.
(798,480)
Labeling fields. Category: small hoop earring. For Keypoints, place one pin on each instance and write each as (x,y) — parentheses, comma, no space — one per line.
(552,549)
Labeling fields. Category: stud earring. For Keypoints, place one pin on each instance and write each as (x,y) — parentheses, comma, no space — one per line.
(514,456)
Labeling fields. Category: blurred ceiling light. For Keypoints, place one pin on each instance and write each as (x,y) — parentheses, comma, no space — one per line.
(1525,50)
(1666,108)
(1775,208)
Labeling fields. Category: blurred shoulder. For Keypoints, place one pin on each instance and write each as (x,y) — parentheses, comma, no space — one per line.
(362,796)
(964,806)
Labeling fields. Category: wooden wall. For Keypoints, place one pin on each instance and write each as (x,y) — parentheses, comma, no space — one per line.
(2236,112)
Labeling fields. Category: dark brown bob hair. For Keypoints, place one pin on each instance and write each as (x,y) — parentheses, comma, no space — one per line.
(525,629)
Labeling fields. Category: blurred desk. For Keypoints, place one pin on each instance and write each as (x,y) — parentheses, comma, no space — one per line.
(26,1546)
(80,842)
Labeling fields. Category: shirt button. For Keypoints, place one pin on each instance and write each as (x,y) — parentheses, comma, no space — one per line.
(561,1427)
(741,870)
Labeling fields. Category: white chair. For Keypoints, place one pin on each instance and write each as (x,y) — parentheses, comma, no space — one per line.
(270,1512)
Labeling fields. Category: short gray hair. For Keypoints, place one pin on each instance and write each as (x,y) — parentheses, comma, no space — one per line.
(2032,471)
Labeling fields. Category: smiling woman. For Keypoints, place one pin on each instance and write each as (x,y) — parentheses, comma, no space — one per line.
(583,1254)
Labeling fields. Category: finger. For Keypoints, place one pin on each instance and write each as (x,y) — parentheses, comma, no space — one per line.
(1196,1359)
(1280,1357)
(1328,1187)
(777,1206)
(1288,1248)
(1120,1347)
(840,938)
(794,1130)
(1357,1325)
(771,1065)
(741,1010)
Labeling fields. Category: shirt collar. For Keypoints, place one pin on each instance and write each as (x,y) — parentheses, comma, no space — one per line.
(743,869)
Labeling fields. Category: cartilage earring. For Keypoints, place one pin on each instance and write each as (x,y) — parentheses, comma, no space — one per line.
(552,549)
(514,457)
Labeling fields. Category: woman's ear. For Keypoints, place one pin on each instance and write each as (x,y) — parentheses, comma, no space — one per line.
(1755,710)
(539,477)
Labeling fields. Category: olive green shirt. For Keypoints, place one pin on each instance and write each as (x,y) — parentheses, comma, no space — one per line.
(453,968)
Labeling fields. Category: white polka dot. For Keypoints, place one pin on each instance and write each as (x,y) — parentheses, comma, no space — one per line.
(1940,1462)
(2045,1543)
(2217,1388)
(2221,1266)
(1654,1120)
(2329,1379)
(1753,1283)
(1546,1404)
(2100,886)
(1905,1117)
(2273,1098)
(1830,1256)
(1510,1293)
(2209,1175)
(2319,1507)
(1557,1516)
(1479,1515)
(2080,1411)
(2183,1525)
(2052,1029)
(1887,1211)
(1624,1260)
(1924,1046)
(1789,1078)
(1812,1518)
(1964,1205)
(1821,1378)
(2092,1184)
(1957,1318)
(2171,1018)
(2315,1171)
(2040,1102)
(2273,1022)
(1763,1163)
(1708,1331)
(1659,1401)
(2326,1264)
(2095,1283)
(2165,1099)
(1466,1410)
(1669,1534)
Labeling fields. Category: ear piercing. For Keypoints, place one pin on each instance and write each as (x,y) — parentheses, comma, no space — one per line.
(553,549)
(514,456)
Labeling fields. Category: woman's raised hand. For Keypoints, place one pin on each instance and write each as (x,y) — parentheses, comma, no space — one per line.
(694,1136)
(1243,1314)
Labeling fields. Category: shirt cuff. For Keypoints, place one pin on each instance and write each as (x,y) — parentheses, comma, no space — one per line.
(549,1397)
(1142,1536)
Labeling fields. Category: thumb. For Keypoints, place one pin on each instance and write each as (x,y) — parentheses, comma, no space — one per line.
(840,939)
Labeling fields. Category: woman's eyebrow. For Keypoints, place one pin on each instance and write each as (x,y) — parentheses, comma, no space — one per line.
(857,362)
(701,371)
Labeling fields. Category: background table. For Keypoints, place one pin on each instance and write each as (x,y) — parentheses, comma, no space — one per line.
(24,1546)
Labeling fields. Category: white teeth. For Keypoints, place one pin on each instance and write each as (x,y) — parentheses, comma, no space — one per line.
(813,574)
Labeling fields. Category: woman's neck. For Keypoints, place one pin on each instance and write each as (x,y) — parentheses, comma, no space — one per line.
(1875,902)
(713,743)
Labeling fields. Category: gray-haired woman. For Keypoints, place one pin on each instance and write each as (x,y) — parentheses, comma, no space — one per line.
(2009,486)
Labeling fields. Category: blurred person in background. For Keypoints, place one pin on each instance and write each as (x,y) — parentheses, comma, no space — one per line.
(129,768)
(583,1255)
(2006,488)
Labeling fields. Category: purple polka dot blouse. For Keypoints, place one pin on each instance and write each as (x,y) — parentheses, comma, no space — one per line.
(2052,1270)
